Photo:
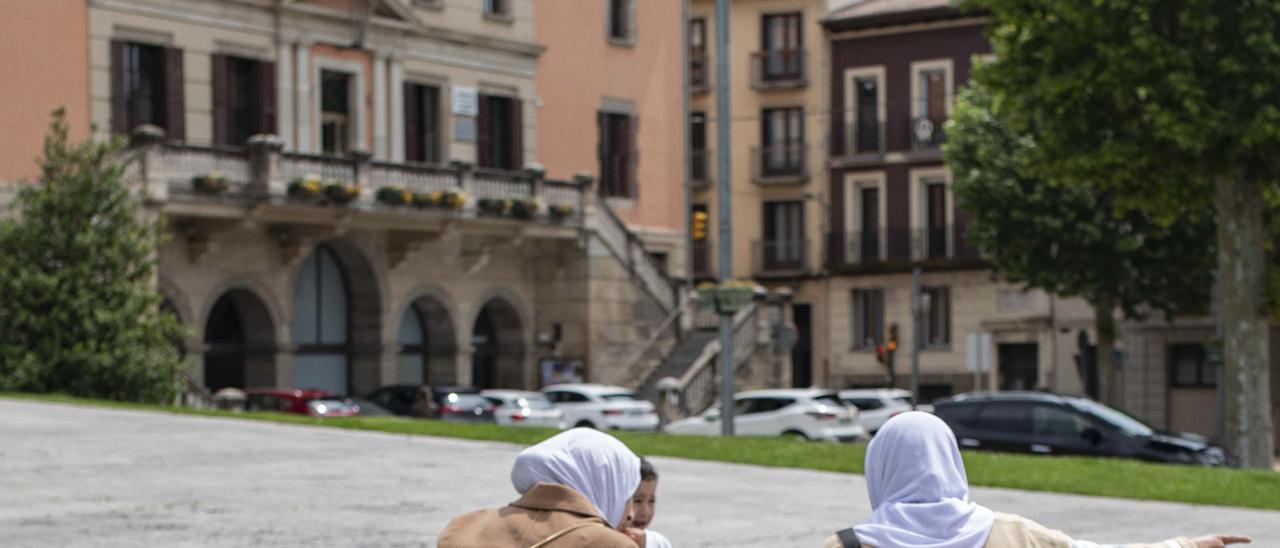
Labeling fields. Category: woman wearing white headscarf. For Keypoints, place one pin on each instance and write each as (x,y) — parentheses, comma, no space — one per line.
(575,490)
(920,498)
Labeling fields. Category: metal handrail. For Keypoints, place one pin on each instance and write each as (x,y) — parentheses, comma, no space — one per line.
(697,382)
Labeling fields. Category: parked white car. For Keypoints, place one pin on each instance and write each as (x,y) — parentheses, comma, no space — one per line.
(877,405)
(602,406)
(523,408)
(809,413)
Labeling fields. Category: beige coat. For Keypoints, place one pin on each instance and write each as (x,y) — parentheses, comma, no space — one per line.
(1012,531)
(543,511)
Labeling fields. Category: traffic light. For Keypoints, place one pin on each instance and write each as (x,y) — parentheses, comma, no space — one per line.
(698,227)
(893,337)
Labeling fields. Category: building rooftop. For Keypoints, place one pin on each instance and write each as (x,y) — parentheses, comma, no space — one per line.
(880,13)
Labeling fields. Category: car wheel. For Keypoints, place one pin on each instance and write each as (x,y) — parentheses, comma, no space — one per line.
(795,435)
(585,424)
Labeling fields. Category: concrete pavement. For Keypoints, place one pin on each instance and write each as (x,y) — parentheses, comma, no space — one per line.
(83,476)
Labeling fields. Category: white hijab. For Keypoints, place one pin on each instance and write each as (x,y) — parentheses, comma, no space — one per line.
(918,488)
(592,463)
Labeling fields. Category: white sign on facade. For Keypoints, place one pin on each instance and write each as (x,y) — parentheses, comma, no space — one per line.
(466,101)
(978,357)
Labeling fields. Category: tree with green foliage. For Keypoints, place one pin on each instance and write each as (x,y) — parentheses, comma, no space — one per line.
(1169,104)
(1070,239)
(79,309)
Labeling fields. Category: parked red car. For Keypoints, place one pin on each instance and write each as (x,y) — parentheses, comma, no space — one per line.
(316,403)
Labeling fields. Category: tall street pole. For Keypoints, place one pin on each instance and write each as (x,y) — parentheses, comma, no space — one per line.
(917,337)
(724,192)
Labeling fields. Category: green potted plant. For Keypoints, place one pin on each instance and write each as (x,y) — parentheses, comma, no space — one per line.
(494,206)
(560,212)
(728,297)
(524,208)
(395,195)
(308,186)
(427,199)
(212,183)
(452,199)
(340,192)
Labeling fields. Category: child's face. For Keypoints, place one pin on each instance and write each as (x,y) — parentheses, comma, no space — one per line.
(643,503)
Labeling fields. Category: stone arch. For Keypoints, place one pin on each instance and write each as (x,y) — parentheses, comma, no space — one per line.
(498,343)
(342,350)
(431,351)
(240,343)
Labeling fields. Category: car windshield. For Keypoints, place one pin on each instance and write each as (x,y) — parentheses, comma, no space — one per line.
(906,400)
(1118,419)
(536,403)
(619,396)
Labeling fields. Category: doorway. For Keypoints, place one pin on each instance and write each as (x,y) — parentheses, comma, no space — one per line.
(1019,366)
(802,353)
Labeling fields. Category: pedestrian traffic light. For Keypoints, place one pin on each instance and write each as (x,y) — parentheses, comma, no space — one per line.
(699,226)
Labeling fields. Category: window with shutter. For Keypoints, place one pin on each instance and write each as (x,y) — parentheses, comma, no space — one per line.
(421,122)
(146,88)
(617,155)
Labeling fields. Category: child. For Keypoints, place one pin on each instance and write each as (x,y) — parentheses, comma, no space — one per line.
(643,505)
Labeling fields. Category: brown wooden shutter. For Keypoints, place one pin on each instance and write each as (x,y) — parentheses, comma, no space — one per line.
(602,153)
(174,107)
(267,92)
(633,156)
(222,121)
(482,133)
(517,133)
(119,100)
(412,123)
(431,123)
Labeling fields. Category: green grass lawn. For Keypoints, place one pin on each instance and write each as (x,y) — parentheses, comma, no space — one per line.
(1086,476)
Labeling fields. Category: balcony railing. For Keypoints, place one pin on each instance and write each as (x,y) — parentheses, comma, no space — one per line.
(780,257)
(899,246)
(782,68)
(866,136)
(699,72)
(780,164)
(700,169)
(261,172)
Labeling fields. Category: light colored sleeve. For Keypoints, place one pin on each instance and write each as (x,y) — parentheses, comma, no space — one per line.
(1012,531)
(654,539)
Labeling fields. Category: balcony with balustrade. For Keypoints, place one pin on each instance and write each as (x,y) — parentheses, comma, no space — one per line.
(275,186)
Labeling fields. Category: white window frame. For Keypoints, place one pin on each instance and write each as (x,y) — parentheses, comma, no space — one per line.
(850,107)
(356,133)
(918,198)
(854,183)
(948,67)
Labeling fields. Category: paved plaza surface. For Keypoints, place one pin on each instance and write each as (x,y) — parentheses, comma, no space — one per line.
(85,476)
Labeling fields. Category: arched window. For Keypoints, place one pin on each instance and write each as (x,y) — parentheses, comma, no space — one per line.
(320,324)
(411,363)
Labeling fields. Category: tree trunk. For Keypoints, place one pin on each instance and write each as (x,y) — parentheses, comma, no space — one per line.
(1108,379)
(1246,344)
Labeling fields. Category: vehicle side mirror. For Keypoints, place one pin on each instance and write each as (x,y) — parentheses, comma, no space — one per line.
(1091,435)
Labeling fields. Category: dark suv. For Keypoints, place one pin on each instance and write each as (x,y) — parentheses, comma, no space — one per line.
(1037,422)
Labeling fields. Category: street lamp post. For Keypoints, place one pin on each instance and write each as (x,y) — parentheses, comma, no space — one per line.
(724,193)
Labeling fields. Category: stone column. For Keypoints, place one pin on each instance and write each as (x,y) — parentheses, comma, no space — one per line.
(148,139)
(264,165)
(380,150)
(396,70)
(284,94)
(303,88)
